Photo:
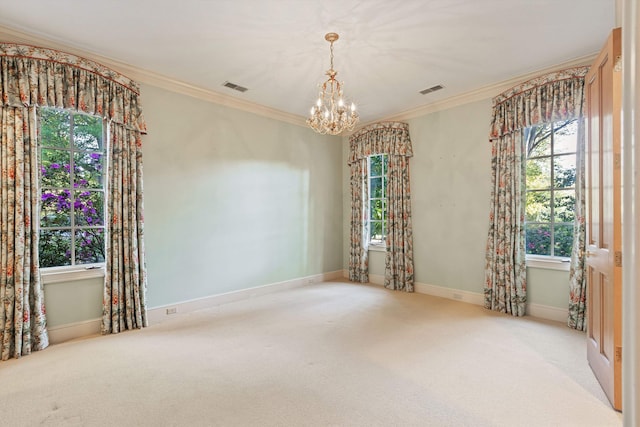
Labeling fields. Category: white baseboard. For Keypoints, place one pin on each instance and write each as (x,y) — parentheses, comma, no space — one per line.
(376,279)
(161,313)
(548,312)
(69,331)
(450,293)
(534,310)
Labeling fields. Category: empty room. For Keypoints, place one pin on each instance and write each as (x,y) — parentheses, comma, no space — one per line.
(319,213)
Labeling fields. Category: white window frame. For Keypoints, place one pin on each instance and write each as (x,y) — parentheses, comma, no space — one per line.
(551,262)
(75,272)
(377,245)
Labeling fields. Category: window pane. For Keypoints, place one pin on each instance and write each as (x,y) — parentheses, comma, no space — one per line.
(89,246)
(564,205)
(88,170)
(376,188)
(55,248)
(54,128)
(54,168)
(563,239)
(88,208)
(376,231)
(55,209)
(385,164)
(539,173)
(564,170)
(87,132)
(377,210)
(71,156)
(565,137)
(376,166)
(538,207)
(538,140)
(538,239)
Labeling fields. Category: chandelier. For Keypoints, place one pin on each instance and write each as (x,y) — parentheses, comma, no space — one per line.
(331,114)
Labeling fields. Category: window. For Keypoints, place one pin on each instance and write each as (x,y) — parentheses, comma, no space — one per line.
(377,198)
(71,188)
(550,194)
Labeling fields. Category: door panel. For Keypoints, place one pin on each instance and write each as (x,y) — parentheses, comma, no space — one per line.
(604,276)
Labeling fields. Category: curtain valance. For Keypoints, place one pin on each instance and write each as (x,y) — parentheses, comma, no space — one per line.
(31,76)
(553,97)
(380,138)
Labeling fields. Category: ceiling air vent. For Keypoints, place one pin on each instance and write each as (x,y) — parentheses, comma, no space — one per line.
(234,86)
(431,89)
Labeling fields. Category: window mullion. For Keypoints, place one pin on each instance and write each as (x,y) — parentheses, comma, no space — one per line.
(385,202)
(72,169)
(553,195)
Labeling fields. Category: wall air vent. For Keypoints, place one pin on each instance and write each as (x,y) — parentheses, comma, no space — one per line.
(234,86)
(431,89)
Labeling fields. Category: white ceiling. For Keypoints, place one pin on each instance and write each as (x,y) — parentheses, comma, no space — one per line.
(388,51)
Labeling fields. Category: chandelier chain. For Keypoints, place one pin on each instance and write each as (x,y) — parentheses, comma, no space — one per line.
(331,49)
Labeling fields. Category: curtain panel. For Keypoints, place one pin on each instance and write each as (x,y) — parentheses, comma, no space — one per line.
(398,267)
(23,326)
(505,273)
(359,232)
(392,139)
(545,99)
(32,77)
(126,275)
(577,318)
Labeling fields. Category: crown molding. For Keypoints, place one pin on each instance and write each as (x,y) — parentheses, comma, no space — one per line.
(484,92)
(12,35)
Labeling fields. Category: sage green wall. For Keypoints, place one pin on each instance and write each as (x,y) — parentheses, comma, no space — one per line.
(73,302)
(548,287)
(450,189)
(235,200)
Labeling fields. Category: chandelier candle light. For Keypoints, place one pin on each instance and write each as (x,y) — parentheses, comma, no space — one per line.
(330,115)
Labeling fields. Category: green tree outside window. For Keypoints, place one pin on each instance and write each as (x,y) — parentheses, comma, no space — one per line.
(550,194)
(72,162)
(377,198)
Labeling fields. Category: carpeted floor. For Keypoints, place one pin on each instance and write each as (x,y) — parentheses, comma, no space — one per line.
(331,354)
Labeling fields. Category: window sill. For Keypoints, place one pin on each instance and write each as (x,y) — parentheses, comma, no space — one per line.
(377,248)
(70,274)
(548,264)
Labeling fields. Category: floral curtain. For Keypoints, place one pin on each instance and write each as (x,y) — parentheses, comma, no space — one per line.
(391,138)
(126,276)
(23,326)
(577,269)
(359,242)
(398,272)
(31,77)
(505,274)
(549,98)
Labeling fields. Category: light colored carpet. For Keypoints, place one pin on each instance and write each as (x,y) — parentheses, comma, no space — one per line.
(331,354)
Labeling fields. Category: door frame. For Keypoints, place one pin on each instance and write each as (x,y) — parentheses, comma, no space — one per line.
(631,203)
